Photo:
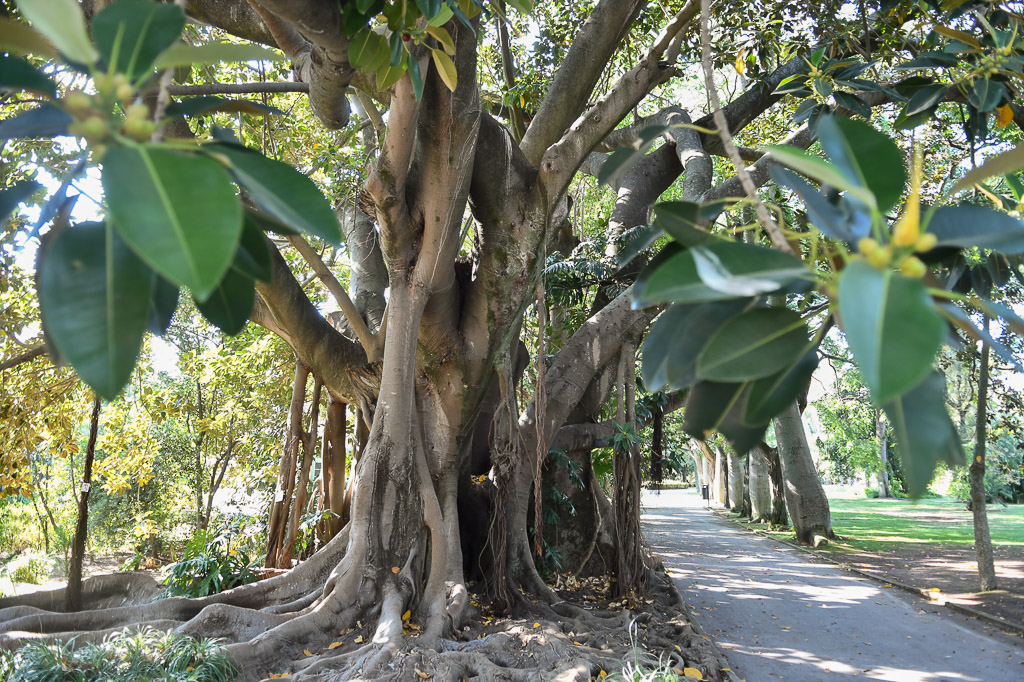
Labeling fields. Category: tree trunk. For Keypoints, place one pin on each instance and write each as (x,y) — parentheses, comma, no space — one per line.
(657,473)
(736,482)
(721,472)
(976,473)
(760,486)
(883,453)
(630,573)
(332,470)
(805,498)
(779,516)
(73,595)
(309,439)
(286,473)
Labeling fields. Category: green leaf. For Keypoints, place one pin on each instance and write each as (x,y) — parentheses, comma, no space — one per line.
(730,268)
(963,322)
(416,79)
(1009,161)
(429,8)
(365,48)
(969,225)
(181,54)
(442,36)
(11,196)
(753,345)
(442,17)
(925,99)
(18,74)
(924,432)
(680,220)
(623,158)
(131,33)
(389,75)
(676,339)
(827,217)
(445,68)
(853,103)
(207,104)
(63,23)
(162,305)
(397,51)
(253,256)
(230,304)
(986,94)
(281,191)
(712,406)
(94,296)
(819,170)
(44,121)
(178,211)
(19,38)
(892,328)
(524,6)
(866,157)
(771,395)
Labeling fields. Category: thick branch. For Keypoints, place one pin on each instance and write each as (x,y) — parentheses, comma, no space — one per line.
(563,158)
(312,338)
(570,91)
(235,88)
(27,356)
(355,320)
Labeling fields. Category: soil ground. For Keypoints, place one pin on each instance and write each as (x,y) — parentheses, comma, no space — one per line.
(781,613)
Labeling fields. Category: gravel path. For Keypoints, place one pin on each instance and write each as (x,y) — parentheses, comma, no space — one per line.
(778,614)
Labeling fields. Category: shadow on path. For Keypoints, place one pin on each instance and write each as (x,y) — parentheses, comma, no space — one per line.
(778,614)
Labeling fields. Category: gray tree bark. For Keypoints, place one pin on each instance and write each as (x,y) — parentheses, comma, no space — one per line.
(736,491)
(760,486)
(805,498)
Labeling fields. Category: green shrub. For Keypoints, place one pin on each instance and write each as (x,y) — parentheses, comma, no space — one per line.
(30,567)
(871,493)
(997,486)
(145,654)
(212,563)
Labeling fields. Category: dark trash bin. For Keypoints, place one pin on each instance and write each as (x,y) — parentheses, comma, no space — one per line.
(705,492)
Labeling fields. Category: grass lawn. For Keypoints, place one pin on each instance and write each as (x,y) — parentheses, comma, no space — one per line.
(875,525)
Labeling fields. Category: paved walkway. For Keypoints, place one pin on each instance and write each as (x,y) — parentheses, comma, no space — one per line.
(777,614)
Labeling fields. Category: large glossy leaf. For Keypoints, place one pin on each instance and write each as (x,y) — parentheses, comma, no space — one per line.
(14,195)
(43,121)
(825,216)
(162,305)
(753,345)
(17,37)
(865,156)
(131,33)
(178,211)
(968,225)
(986,94)
(18,74)
(366,49)
(730,269)
(1003,312)
(963,322)
(253,256)
(892,328)
(925,99)
(63,23)
(680,219)
(624,158)
(676,339)
(771,395)
(94,295)
(281,191)
(824,173)
(712,406)
(924,432)
(1007,162)
(230,304)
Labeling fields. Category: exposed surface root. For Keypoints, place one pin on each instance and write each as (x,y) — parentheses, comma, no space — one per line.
(572,631)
